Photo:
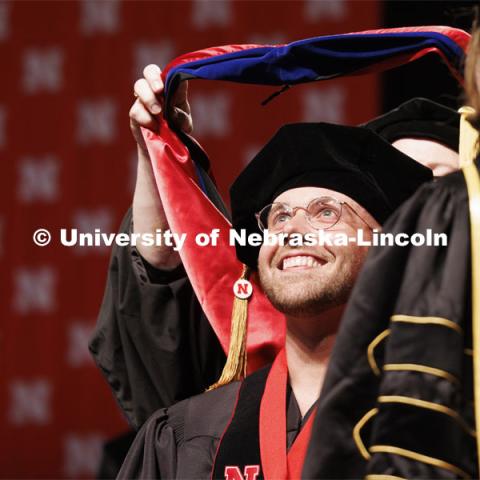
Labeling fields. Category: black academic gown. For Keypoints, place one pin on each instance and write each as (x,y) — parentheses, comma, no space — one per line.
(181,442)
(397,398)
(152,340)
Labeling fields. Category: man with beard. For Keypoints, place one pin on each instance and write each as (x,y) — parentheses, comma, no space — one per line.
(148,287)
(308,177)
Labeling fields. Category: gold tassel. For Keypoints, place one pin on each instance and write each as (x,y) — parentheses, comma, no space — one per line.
(236,365)
(468,146)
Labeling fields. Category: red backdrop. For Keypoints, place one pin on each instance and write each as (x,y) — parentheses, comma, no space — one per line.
(68,161)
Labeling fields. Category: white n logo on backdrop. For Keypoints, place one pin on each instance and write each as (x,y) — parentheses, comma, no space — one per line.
(86,221)
(158,53)
(34,290)
(78,354)
(324,105)
(324,10)
(42,70)
(211,113)
(211,14)
(30,402)
(82,454)
(38,179)
(100,17)
(4,20)
(96,121)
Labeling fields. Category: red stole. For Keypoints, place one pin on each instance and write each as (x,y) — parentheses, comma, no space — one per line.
(254,444)
(276,463)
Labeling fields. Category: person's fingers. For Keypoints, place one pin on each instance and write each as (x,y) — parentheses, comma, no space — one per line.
(145,94)
(140,116)
(150,93)
(152,74)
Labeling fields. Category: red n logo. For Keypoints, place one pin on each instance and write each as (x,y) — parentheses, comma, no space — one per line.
(242,288)
(250,472)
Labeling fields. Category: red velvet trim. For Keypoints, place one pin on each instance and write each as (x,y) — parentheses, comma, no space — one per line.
(276,464)
(273,421)
(212,270)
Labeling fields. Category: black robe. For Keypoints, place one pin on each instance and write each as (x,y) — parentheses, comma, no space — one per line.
(400,375)
(409,281)
(152,340)
(181,441)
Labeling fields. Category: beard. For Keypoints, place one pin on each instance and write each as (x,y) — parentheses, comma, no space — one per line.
(310,292)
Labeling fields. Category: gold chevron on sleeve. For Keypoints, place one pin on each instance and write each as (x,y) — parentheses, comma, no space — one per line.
(371,351)
(418,457)
(444,322)
(415,367)
(356,433)
(416,402)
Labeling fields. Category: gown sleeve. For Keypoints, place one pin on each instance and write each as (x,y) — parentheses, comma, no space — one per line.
(181,441)
(154,451)
(152,340)
(397,397)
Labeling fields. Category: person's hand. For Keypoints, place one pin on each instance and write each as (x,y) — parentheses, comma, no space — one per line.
(149,103)
(148,214)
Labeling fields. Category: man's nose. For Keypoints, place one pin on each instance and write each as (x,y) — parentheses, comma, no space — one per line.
(298,223)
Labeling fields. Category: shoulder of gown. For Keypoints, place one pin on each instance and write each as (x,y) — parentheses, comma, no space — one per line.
(181,441)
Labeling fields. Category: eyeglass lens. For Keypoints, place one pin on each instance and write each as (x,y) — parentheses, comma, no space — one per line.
(320,213)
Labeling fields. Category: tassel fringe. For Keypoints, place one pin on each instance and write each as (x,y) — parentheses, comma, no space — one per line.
(236,365)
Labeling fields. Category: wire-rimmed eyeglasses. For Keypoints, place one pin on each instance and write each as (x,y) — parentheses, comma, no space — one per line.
(321,213)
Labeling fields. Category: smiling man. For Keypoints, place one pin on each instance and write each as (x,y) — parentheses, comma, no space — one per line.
(148,292)
(311,285)
(308,177)
(335,270)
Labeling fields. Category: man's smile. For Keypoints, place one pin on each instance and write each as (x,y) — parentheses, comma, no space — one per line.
(299,261)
